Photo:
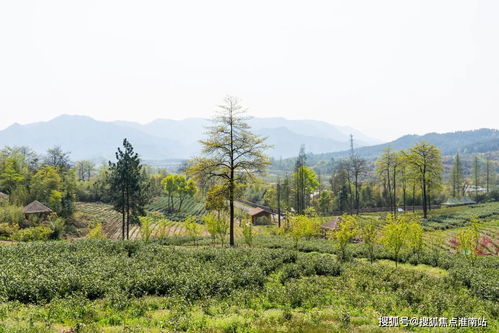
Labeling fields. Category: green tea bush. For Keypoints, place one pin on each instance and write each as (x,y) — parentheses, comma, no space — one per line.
(39,233)
(7,230)
(39,272)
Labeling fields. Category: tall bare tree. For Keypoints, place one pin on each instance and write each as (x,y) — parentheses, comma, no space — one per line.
(232,154)
(358,167)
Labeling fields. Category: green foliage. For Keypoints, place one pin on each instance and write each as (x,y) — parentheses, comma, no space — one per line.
(192,227)
(145,227)
(11,214)
(247,232)
(344,233)
(7,230)
(96,232)
(398,234)
(302,226)
(128,185)
(11,176)
(39,272)
(468,240)
(325,202)
(44,181)
(368,230)
(40,233)
(217,227)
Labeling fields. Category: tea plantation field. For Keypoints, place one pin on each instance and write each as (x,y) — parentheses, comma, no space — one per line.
(138,286)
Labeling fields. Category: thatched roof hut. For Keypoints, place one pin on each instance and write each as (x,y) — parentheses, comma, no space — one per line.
(36,207)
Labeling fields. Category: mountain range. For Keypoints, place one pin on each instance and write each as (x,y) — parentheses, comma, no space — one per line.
(166,139)
(482,140)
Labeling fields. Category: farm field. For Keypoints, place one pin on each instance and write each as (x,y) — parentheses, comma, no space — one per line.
(173,283)
(91,213)
(115,286)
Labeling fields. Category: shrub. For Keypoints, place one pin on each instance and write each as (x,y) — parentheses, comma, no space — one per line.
(7,230)
(96,232)
(11,214)
(40,233)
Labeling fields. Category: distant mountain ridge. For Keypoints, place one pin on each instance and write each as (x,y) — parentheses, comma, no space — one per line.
(163,139)
(474,141)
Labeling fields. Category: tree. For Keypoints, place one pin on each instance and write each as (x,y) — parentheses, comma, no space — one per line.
(368,230)
(476,174)
(216,199)
(248,232)
(345,232)
(85,170)
(178,186)
(11,176)
(402,232)
(128,186)
(145,227)
(217,227)
(469,240)
(44,181)
(386,168)
(426,162)
(415,235)
(192,228)
(457,177)
(57,158)
(305,182)
(303,227)
(170,187)
(186,188)
(325,200)
(232,153)
(358,166)
(300,181)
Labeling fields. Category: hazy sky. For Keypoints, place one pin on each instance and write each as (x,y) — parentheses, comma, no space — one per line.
(386,68)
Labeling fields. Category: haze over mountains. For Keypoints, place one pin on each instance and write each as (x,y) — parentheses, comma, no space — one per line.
(482,140)
(87,138)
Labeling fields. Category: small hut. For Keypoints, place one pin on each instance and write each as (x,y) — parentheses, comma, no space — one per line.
(260,215)
(36,207)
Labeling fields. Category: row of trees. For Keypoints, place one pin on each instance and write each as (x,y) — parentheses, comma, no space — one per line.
(25,176)
(414,176)
(482,176)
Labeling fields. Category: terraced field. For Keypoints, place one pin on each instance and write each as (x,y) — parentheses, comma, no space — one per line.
(489,238)
(92,213)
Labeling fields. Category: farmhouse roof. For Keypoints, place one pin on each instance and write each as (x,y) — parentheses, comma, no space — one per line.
(458,201)
(36,207)
(331,224)
(258,212)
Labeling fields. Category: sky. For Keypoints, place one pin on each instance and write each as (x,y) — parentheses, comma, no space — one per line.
(386,68)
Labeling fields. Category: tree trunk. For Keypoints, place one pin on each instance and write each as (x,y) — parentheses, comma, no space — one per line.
(425,208)
(123,215)
(278,205)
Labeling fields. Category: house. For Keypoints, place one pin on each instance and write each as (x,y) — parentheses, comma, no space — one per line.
(260,215)
(37,208)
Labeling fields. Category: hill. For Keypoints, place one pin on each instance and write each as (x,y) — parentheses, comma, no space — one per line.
(167,139)
(475,141)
